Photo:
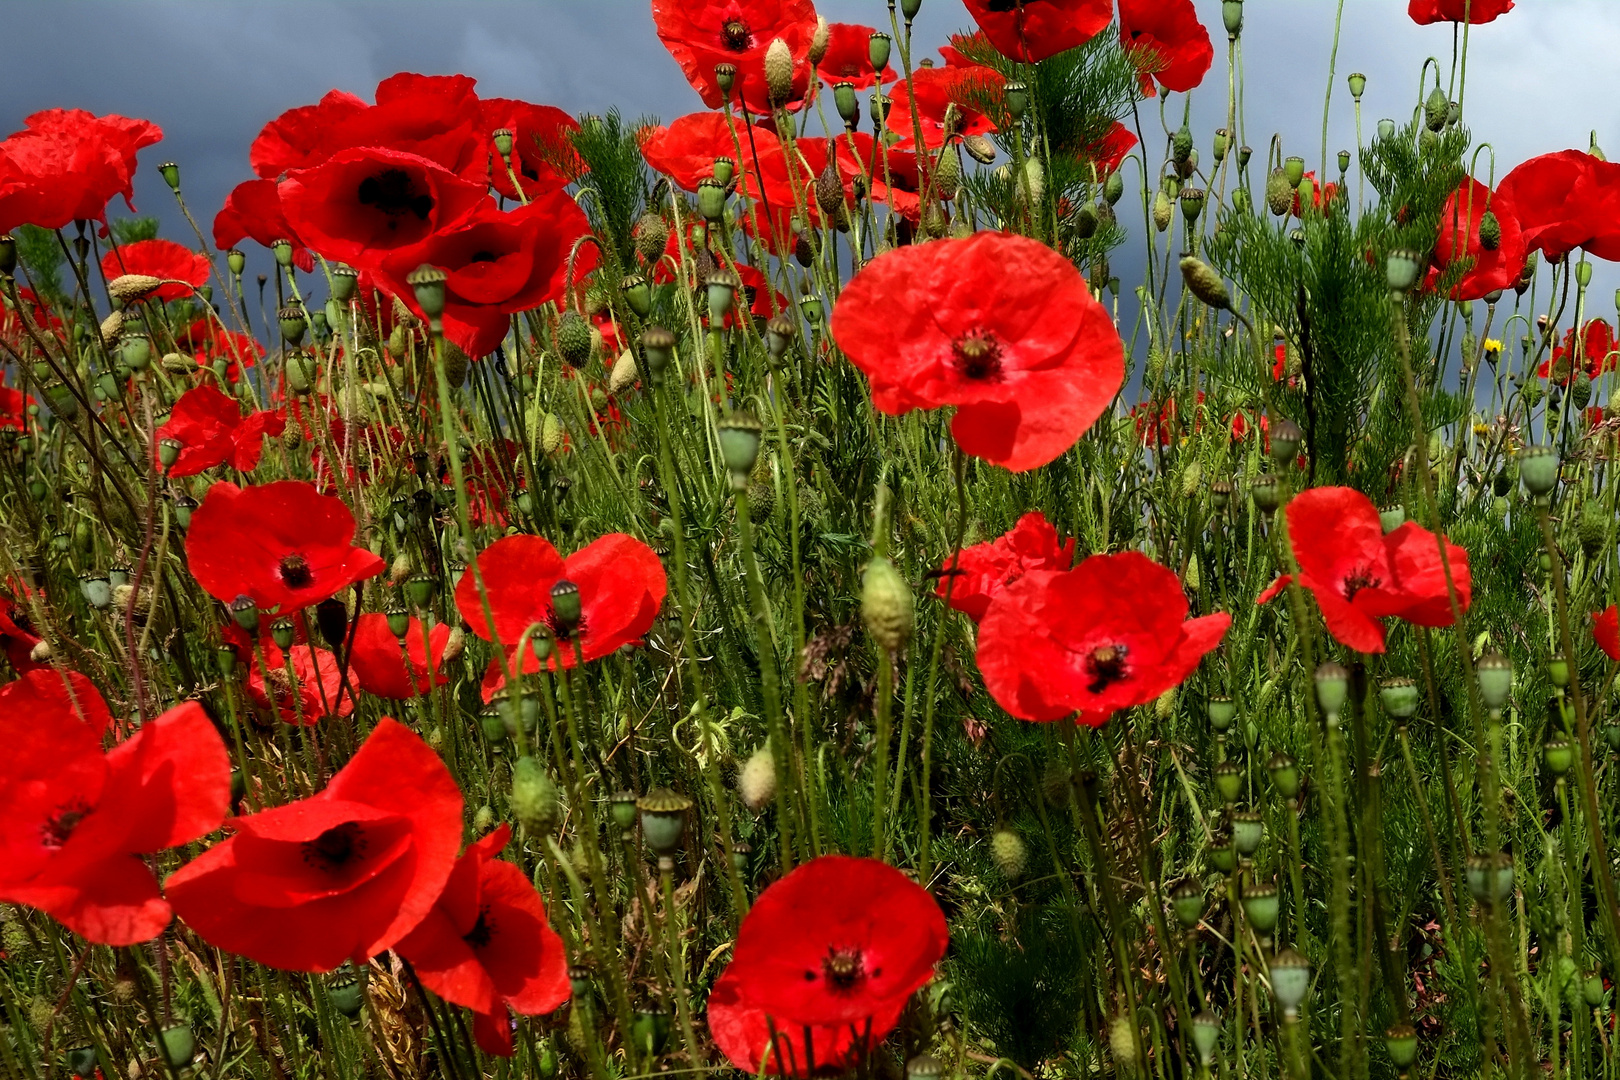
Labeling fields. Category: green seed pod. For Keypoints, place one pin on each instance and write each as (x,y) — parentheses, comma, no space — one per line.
(1187,901)
(1401,1043)
(887,606)
(1279,193)
(1261,905)
(1593,526)
(345,989)
(534,797)
(1181,144)
(574,339)
(1490,231)
(551,433)
(1008,852)
(1538,469)
(1494,673)
(663,819)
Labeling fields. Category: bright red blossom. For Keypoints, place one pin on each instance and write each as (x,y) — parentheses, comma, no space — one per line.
(702,33)
(542,156)
(980,572)
(181,268)
(1107,635)
(1167,42)
(1489,269)
(849,58)
(74,821)
(341,875)
(285,545)
(211,430)
(998,325)
(1597,353)
(960,91)
(1564,201)
(486,945)
(66,164)
(253,211)
(1606,631)
(1423,12)
(1359,575)
(311,690)
(379,666)
(1032,30)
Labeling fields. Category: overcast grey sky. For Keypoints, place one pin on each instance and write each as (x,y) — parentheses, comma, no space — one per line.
(212,72)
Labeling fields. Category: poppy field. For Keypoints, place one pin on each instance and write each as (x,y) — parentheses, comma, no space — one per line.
(756,593)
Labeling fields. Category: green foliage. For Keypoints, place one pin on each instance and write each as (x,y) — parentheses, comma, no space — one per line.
(40,254)
(129,230)
(618,180)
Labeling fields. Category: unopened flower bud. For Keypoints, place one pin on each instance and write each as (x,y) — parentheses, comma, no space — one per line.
(778,72)
(887,606)
(819,41)
(534,797)
(1204,283)
(756,781)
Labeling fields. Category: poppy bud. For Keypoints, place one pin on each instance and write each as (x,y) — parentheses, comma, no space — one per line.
(574,340)
(565,604)
(1401,269)
(1279,193)
(887,606)
(1232,16)
(1290,980)
(1008,852)
(8,254)
(131,287)
(756,781)
(534,797)
(1228,777)
(663,819)
(552,433)
(1017,99)
(1494,673)
(1122,1035)
(427,282)
(725,76)
(1284,772)
(1386,128)
(651,235)
(1161,211)
(1435,107)
(1204,283)
(1358,85)
(877,50)
(1580,391)
(1490,231)
(1538,469)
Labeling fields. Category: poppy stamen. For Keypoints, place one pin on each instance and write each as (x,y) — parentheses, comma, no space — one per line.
(1001,7)
(336,846)
(843,969)
(482,930)
(60,826)
(393,193)
(295,571)
(1360,579)
(1106,666)
(978,356)
(736,36)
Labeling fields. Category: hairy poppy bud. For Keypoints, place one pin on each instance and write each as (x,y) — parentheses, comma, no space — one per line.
(979,148)
(1435,108)
(947,175)
(1204,283)
(1279,193)
(1162,211)
(778,72)
(819,41)
(887,606)
(624,373)
(534,797)
(650,234)
(1490,231)
(1122,1035)
(1008,852)
(756,781)
(1181,144)
(128,287)
(574,339)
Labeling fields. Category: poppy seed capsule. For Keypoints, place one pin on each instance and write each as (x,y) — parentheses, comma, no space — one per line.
(1232,17)
(1558,755)
(637,294)
(1228,776)
(1494,673)
(1016,96)
(427,283)
(847,104)
(1399,696)
(1290,980)
(1279,193)
(658,346)
(574,339)
(534,797)
(887,606)
(1260,905)
(1358,84)
(1284,772)
(663,819)
(1538,469)
(756,780)
(565,604)
(1286,438)
(877,50)
(1401,269)
(739,435)
(1203,281)
(1332,688)
(1008,852)
(1187,901)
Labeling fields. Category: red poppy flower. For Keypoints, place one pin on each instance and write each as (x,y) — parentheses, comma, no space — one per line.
(211,430)
(310,692)
(500,263)
(983,570)
(702,33)
(543,157)
(253,210)
(1032,30)
(341,875)
(837,941)
(1359,575)
(1321,195)
(74,821)
(57,692)
(1000,326)
(284,544)
(362,205)
(1490,269)
(1167,42)
(1606,631)
(685,150)
(181,268)
(380,668)
(849,58)
(1155,421)
(1472,11)
(1597,353)
(1108,152)
(961,91)
(432,116)
(486,945)
(17,635)
(13,406)
(1107,635)
(621,584)
(66,164)
(745,1034)
(1564,201)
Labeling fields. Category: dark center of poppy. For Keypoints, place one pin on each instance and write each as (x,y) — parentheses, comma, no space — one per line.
(483,257)
(1001,7)
(481,932)
(844,970)
(735,34)
(394,193)
(563,631)
(1106,666)
(977,356)
(850,69)
(60,825)
(336,846)
(295,572)
(1360,579)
